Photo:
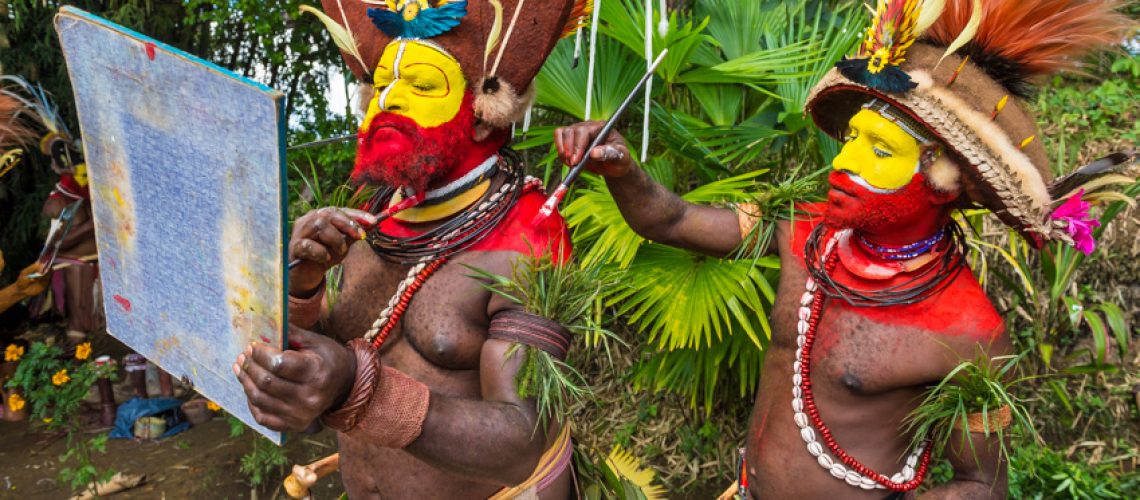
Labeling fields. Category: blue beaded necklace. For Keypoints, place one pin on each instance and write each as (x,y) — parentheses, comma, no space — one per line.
(905,252)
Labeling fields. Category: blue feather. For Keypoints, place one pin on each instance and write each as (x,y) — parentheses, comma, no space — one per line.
(391,23)
(429,23)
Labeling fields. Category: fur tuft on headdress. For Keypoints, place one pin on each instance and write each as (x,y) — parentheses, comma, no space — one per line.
(497,104)
(1018,40)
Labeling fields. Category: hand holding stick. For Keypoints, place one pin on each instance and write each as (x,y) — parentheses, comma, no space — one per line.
(560,193)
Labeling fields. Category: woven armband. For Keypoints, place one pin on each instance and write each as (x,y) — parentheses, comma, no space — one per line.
(998,419)
(345,418)
(305,312)
(747,214)
(531,330)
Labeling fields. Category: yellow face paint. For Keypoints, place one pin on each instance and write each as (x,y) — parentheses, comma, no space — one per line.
(879,152)
(418,81)
(80,174)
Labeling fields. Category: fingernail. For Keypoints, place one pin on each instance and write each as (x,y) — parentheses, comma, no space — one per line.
(236,369)
(240,360)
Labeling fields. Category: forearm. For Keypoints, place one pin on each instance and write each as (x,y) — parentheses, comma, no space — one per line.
(480,440)
(648,208)
(659,215)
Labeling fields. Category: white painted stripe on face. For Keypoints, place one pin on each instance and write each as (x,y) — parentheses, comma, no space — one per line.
(382,103)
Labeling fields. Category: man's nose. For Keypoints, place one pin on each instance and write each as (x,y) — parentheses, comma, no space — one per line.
(395,101)
(845,161)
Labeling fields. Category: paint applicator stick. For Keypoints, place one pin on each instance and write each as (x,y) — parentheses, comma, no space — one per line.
(560,193)
(407,203)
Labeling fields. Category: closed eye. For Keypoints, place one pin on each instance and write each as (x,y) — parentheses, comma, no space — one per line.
(881,153)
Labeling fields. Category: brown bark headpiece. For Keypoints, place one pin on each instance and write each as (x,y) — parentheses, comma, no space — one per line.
(500,44)
(962,69)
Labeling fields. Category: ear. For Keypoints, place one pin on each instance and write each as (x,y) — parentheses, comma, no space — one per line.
(943,175)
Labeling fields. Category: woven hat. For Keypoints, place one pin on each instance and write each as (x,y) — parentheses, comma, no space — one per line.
(962,69)
(500,44)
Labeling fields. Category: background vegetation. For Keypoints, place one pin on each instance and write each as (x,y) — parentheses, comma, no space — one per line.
(727,125)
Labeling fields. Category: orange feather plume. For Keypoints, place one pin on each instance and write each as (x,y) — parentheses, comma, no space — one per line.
(1038,37)
(579,15)
(14,131)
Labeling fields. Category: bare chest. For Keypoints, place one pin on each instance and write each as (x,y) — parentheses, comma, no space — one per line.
(857,352)
(445,323)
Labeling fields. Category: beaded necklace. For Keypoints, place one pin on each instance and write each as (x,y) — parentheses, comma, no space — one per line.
(905,252)
(438,244)
(458,233)
(806,414)
(926,283)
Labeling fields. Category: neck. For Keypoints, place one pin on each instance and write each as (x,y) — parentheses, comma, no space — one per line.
(905,234)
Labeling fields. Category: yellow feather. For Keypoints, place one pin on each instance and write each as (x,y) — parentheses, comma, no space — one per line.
(496,30)
(1108,196)
(968,32)
(929,11)
(340,35)
(10,160)
(626,466)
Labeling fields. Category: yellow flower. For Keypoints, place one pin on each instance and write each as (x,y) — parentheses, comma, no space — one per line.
(47,420)
(83,351)
(60,377)
(15,402)
(13,352)
(212,406)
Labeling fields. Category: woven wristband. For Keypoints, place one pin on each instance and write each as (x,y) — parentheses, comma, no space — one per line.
(345,418)
(395,415)
(305,312)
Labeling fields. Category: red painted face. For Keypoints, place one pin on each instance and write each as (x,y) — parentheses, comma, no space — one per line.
(396,151)
(850,205)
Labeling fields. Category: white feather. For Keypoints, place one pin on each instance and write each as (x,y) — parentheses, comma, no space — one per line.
(967,33)
(928,13)
(340,35)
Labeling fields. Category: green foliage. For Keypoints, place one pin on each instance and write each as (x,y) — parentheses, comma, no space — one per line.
(565,294)
(727,108)
(1038,472)
(84,474)
(260,463)
(1043,287)
(981,386)
(55,383)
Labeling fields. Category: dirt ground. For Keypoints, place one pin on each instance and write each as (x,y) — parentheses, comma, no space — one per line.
(202,462)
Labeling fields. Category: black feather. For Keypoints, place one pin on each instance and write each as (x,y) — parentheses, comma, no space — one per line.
(891,79)
(1112,163)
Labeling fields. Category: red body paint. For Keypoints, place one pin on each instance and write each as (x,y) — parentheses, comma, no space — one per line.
(150,50)
(123,302)
(515,233)
(961,309)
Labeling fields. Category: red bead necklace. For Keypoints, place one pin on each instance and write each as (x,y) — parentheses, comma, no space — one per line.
(813,412)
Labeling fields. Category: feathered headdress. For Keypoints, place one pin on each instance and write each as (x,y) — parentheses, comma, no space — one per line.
(500,44)
(24,108)
(961,68)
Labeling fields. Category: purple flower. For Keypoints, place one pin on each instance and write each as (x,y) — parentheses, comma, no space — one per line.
(1075,212)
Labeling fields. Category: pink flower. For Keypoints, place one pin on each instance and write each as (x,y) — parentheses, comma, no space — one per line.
(1075,212)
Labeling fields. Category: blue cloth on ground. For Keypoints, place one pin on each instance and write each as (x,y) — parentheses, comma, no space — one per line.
(169,409)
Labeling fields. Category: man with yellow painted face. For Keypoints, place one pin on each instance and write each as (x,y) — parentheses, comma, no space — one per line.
(423,396)
(875,302)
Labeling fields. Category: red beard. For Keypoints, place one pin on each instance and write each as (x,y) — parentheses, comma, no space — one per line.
(398,152)
(850,205)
